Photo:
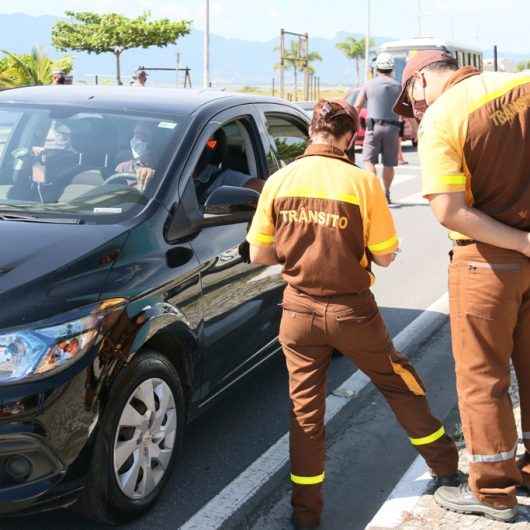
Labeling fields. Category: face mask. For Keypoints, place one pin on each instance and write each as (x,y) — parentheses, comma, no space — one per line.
(139,148)
(419,108)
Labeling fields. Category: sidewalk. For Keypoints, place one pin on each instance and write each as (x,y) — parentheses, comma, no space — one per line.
(427,514)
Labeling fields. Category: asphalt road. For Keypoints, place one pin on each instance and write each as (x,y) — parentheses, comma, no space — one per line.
(247,421)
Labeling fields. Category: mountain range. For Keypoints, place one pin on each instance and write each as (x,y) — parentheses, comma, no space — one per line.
(233,61)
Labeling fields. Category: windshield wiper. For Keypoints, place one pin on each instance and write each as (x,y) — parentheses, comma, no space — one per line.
(32,219)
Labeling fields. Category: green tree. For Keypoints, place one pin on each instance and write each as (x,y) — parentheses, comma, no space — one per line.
(114,33)
(354,49)
(523,65)
(292,61)
(31,69)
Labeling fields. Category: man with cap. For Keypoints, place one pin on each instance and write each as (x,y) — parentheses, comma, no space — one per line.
(58,77)
(326,221)
(140,78)
(382,125)
(474,146)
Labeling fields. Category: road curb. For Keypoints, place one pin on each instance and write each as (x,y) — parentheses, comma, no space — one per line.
(233,507)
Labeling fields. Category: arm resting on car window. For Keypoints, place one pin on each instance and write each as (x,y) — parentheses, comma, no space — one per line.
(261,255)
(452,211)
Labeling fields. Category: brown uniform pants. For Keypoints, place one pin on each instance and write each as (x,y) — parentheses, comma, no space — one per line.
(310,330)
(489,292)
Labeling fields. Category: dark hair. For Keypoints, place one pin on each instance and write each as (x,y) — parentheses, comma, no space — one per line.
(446,64)
(331,119)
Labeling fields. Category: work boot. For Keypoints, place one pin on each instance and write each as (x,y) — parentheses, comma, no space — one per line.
(462,500)
(304,524)
(523,463)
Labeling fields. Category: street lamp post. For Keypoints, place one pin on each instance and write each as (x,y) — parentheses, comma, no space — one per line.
(367,45)
(206,74)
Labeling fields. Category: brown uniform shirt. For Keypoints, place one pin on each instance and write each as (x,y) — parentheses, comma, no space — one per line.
(322,213)
(476,138)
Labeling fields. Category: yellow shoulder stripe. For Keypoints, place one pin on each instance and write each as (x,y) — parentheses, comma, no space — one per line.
(311,193)
(498,93)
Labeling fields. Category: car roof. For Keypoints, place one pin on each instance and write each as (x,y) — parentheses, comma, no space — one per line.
(172,101)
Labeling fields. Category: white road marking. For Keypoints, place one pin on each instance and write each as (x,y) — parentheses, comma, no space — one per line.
(400,178)
(415,198)
(403,498)
(241,490)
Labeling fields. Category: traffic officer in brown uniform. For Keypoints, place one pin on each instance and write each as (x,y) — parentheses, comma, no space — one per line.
(326,221)
(474,145)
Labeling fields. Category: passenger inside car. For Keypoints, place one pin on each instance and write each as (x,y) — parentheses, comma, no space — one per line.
(53,164)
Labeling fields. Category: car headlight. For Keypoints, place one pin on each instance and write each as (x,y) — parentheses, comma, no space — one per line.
(33,352)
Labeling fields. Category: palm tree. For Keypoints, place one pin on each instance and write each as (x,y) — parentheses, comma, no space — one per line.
(294,62)
(354,49)
(30,69)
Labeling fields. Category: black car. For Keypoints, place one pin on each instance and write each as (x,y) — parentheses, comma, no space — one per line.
(127,300)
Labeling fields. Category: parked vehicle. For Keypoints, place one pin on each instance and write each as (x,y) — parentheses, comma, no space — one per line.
(128,303)
(402,49)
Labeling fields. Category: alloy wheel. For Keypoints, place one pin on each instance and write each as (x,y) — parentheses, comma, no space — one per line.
(145,438)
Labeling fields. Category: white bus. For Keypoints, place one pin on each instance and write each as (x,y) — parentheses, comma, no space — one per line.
(403,49)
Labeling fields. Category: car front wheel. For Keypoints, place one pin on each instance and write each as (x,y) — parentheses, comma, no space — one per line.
(140,436)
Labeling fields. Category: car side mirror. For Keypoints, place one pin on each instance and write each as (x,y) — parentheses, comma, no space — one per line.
(229,205)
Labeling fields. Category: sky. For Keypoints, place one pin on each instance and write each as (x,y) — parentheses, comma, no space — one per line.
(472,22)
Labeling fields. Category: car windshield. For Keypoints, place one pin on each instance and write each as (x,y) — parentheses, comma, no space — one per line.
(82,164)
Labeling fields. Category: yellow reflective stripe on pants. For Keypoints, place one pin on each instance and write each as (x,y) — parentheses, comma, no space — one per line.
(428,439)
(308,481)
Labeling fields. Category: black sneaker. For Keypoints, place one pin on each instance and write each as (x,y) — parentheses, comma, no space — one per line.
(462,500)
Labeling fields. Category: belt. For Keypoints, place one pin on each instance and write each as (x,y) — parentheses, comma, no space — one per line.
(465,242)
(388,122)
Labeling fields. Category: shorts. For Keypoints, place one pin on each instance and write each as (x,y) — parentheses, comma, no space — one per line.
(382,140)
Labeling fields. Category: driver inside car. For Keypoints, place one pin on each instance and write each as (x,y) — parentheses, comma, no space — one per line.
(143,157)
(211,173)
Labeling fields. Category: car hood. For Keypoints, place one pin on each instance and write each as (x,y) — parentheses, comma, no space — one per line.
(46,269)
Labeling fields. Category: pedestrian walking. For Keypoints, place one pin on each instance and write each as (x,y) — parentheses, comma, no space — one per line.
(58,77)
(381,138)
(326,221)
(474,146)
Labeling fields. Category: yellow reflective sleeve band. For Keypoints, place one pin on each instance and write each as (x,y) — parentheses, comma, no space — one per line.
(384,245)
(264,238)
(453,180)
(429,439)
(308,481)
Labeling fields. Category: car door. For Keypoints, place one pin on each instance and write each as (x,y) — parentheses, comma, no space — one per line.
(238,326)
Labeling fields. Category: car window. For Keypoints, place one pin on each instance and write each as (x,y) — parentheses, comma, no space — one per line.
(83,164)
(289,137)
(227,159)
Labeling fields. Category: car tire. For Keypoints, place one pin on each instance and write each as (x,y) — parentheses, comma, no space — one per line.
(110,495)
